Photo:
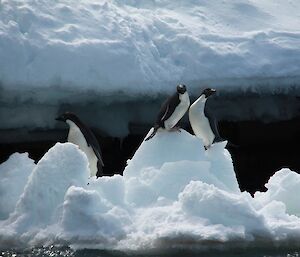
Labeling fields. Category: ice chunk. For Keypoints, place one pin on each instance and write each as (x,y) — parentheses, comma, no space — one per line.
(283,186)
(177,158)
(173,195)
(88,218)
(14,174)
(64,165)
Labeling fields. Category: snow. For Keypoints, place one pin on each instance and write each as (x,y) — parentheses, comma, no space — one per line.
(99,59)
(283,188)
(61,167)
(14,174)
(104,57)
(145,47)
(173,195)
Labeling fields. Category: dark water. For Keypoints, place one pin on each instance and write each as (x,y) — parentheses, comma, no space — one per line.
(67,252)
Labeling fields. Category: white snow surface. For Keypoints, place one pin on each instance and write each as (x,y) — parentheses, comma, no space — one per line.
(146,47)
(173,195)
(13,178)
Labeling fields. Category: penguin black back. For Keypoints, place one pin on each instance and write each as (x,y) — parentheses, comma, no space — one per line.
(168,109)
(89,137)
(213,124)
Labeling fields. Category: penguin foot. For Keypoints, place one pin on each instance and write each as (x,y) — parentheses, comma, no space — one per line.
(206,147)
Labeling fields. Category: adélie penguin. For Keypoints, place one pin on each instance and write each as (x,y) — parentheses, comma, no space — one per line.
(200,123)
(81,135)
(172,110)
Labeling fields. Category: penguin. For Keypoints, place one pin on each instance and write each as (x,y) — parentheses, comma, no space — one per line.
(172,110)
(200,123)
(81,135)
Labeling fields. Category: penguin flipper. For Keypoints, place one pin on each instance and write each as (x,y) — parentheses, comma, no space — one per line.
(99,157)
(92,142)
(167,108)
(165,114)
(153,133)
(215,129)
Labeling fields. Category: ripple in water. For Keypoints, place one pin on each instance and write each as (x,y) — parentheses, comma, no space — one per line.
(54,251)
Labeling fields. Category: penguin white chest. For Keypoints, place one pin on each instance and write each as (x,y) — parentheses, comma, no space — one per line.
(200,123)
(179,111)
(76,137)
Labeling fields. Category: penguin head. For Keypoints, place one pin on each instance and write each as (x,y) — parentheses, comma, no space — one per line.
(181,89)
(208,92)
(67,116)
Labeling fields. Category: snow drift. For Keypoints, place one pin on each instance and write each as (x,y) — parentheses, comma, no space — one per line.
(173,195)
(145,47)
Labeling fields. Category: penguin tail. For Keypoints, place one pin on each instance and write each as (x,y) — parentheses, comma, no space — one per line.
(100,169)
(153,133)
(230,144)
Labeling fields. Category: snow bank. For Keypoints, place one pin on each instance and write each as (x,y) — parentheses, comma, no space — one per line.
(173,195)
(145,47)
(100,59)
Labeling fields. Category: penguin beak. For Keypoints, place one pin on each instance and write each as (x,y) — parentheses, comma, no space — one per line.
(181,89)
(212,91)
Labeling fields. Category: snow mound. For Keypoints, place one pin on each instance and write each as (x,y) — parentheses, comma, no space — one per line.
(173,195)
(61,167)
(13,178)
(164,165)
(99,224)
(284,187)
